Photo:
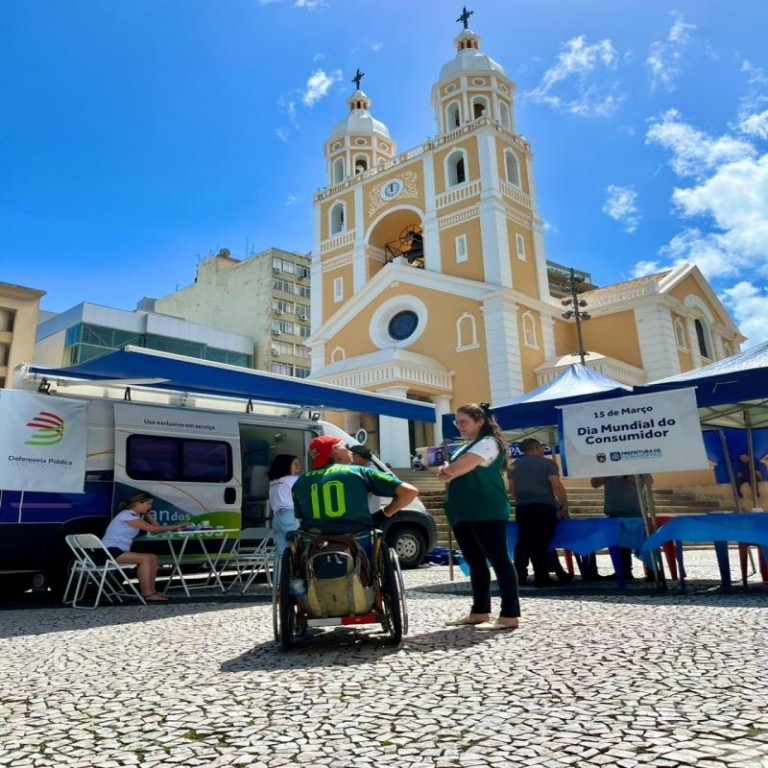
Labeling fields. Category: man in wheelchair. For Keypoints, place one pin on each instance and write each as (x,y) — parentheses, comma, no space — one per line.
(336,542)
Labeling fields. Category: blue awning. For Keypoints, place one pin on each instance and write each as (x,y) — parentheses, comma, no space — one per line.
(185,374)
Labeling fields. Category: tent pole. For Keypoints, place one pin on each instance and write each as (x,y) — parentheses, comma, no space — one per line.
(648,511)
(751,453)
(729,467)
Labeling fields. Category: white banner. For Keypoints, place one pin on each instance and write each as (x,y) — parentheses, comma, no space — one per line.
(632,435)
(43,442)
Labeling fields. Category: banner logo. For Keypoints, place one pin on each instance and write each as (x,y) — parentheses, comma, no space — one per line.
(50,429)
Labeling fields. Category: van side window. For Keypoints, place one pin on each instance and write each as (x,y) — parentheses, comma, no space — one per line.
(150,457)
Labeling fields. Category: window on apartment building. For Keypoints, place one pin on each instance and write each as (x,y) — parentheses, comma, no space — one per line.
(281,305)
(283,265)
(461,248)
(302,272)
(304,331)
(304,291)
(283,326)
(285,368)
(338,289)
(301,373)
(302,311)
(7,320)
(282,285)
(520,244)
(282,348)
(300,350)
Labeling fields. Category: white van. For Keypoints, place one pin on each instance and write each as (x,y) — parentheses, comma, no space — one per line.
(199,465)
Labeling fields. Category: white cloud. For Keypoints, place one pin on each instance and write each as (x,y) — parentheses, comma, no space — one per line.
(707,250)
(753,112)
(318,85)
(643,268)
(749,306)
(377,46)
(693,152)
(310,5)
(292,199)
(282,134)
(621,205)
(582,81)
(665,56)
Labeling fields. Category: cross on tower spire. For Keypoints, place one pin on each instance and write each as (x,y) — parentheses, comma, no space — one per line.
(357,78)
(464,18)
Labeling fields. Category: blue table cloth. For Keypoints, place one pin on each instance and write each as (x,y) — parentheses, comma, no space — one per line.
(716,527)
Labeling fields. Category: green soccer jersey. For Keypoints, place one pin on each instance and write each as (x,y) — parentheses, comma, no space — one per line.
(334,499)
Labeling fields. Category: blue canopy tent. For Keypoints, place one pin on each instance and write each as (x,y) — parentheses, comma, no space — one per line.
(134,366)
(537,409)
(727,388)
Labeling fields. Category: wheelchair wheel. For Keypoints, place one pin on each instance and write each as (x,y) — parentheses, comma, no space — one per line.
(275,599)
(285,606)
(392,618)
(400,589)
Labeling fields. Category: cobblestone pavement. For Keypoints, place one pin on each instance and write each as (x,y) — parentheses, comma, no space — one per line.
(592,678)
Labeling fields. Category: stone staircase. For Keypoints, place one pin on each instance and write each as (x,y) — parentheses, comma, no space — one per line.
(584,501)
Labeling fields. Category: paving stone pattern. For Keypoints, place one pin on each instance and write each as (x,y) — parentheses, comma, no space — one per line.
(592,678)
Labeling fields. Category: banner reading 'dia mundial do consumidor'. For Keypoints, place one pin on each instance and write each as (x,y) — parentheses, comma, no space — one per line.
(632,435)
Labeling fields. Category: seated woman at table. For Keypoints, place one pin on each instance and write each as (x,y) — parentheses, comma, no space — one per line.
(136,516)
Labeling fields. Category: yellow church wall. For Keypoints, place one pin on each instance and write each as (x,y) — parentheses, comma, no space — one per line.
(472,268)
(686,364)
(689,286)
(439,339)
(524,277)
(614,335)
(565,337)
(330,306)
(530,357)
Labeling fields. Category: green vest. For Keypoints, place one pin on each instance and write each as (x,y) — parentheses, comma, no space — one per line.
(479,494)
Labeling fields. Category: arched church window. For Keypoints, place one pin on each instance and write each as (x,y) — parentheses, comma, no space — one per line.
(703,338)
(456,168)
(338,354)
(680,334)
(466,333)
(337,218)
(361,164)
(338,170)
(512,165)
(529,330)
(479,107)
(454,115)
(504,115)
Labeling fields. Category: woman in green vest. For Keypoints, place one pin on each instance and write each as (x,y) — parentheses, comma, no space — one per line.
(478,510)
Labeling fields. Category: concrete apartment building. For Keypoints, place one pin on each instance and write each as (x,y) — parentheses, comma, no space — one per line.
(19,311)
(265,297)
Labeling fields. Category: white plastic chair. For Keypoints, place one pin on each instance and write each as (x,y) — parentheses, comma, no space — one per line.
(253,554)
(108,577)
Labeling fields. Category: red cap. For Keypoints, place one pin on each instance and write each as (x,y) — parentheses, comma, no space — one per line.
(320,450)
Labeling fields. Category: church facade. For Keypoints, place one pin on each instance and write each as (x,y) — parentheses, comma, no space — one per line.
(430,279)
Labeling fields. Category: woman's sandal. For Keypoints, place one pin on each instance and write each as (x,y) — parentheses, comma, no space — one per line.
(155,597)
(466,621)
(500,626)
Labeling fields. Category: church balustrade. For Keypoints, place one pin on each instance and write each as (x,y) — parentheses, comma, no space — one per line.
(514,193)
(340,241)
(456,195)
(391,373)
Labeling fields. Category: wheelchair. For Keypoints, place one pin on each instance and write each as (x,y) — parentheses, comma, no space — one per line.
(337,580)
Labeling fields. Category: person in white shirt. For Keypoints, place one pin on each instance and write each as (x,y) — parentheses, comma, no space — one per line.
(134,517)
(283,473)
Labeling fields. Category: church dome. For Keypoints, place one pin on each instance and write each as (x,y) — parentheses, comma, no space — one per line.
(359,119)
(469,58)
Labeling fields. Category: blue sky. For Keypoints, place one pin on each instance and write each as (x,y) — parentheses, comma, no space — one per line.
(137,136)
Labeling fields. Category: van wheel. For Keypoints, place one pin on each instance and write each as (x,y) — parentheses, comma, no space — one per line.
(409,543)
(12,587)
